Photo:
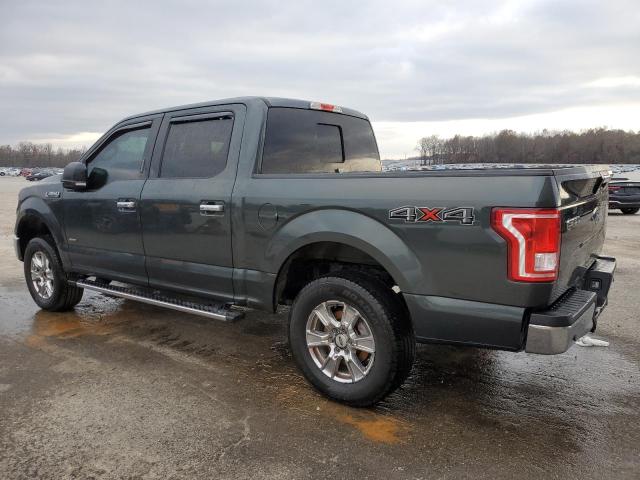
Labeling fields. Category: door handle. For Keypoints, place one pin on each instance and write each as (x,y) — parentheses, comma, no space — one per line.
(126,205)
(211,208)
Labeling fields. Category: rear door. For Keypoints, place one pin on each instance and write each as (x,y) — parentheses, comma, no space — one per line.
(185,204)
(102,223)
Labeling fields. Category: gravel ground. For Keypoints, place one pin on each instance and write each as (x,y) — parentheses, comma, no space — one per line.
(118,389)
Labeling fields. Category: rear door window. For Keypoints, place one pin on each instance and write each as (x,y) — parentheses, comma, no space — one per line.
(196,148)
(310,141)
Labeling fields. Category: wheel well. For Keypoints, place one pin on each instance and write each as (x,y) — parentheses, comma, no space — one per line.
(31,226)
(319,259)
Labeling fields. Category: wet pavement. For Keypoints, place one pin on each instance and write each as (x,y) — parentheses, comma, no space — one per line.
(118,389)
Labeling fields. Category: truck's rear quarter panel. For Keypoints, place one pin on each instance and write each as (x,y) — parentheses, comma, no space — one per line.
(459,261)
(460,276)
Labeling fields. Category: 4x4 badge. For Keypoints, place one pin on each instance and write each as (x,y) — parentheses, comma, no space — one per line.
(412,214)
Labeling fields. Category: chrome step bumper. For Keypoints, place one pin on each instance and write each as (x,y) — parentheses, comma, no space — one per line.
(574,314)
(556,329)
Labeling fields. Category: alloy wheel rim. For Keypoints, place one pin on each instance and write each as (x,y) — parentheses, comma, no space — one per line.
(340,341)
(42,275)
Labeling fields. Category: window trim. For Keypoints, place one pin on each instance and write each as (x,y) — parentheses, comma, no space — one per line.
(195,117)
(147,124)
(118,131)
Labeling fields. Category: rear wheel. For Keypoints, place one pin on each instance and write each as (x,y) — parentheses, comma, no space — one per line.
(46,279)
(351,337)
(630,211)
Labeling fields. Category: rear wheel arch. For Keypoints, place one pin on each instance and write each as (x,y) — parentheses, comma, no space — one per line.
(344,238)
(317,259)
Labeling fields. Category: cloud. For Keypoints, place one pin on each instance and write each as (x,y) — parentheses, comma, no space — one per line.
(75,66)
(614,82)
(74,140)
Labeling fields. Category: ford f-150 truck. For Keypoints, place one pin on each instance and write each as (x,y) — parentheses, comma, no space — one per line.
(260,202)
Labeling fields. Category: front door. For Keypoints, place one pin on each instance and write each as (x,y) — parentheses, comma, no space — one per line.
(102,224)
(186,203)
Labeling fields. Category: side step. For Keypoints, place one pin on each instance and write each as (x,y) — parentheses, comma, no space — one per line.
(218,311)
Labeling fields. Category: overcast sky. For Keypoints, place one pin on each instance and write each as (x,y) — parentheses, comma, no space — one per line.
(69,70)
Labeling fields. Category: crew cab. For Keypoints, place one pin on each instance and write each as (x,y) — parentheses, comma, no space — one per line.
(260,202)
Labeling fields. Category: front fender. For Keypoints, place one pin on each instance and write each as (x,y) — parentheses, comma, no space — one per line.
(353,229)
(39,208)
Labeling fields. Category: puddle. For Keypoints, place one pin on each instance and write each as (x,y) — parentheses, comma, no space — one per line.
(381,429)
(47,325)
(374,426)
(95,315)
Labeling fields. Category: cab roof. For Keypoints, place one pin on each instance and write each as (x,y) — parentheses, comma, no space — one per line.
(268,101)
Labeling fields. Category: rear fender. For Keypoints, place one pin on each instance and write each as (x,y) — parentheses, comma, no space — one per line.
(353,229)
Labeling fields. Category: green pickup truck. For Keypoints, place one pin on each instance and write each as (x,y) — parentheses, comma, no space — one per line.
(259,202)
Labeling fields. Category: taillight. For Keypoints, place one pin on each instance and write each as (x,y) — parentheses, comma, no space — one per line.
(533,242)
(613,188)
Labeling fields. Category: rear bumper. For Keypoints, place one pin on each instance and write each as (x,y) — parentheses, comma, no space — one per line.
(624,201)
(574,315)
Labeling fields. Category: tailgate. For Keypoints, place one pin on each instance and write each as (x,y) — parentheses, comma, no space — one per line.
(584,201)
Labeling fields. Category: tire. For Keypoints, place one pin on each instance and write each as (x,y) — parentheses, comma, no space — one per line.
(630,211)
(57,295)
(379,313)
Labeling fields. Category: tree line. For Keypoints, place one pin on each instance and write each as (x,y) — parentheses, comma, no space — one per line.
(28,154)
(599,145)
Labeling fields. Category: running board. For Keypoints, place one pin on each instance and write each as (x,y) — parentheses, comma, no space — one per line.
(155,297)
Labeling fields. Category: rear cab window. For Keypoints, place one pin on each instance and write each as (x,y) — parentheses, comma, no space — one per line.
(310,141)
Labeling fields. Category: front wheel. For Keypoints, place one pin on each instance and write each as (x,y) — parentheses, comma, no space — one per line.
(351,336)
(46,279)
(630,211)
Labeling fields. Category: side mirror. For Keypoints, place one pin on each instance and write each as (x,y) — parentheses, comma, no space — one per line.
(74,176)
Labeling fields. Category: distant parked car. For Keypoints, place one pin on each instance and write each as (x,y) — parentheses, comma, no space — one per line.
(25,172)
(9,172)
(624,193)
(38,176)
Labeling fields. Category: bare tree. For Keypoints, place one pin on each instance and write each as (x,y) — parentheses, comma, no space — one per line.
(590,146)
(28,154)
(430,149)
